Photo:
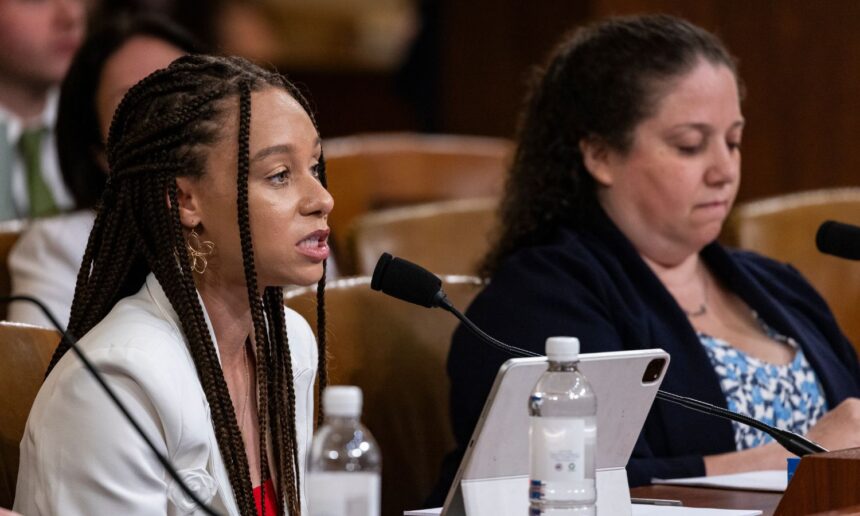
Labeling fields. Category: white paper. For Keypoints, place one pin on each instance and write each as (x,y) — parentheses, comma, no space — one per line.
(638,510)
(649,510)
(505,495)
(770,480)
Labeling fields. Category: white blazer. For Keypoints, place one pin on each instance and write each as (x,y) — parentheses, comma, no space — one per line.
(79,456)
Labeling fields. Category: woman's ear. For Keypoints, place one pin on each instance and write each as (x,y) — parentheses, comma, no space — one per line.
(189,206)
(596,156)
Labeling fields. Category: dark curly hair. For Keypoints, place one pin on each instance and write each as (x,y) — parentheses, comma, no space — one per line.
(601,81)
(162,130)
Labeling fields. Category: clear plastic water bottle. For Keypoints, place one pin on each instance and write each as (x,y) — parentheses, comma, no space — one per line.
(345,462)
(562,435)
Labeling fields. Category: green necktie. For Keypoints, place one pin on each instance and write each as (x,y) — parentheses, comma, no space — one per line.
(41,200)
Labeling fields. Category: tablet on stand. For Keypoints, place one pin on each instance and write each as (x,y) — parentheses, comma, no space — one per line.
(493,475)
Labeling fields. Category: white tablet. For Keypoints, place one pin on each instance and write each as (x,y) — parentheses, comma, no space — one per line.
(493,475)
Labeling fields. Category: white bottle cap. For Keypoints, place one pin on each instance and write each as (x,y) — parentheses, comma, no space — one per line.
(342,401)
(562,349)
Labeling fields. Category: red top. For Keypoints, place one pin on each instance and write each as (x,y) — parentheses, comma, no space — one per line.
(271,502)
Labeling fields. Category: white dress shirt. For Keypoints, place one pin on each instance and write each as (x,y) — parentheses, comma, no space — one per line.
(79,456)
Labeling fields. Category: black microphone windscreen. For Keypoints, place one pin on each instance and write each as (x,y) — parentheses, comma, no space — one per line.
(838,239)
(404,280)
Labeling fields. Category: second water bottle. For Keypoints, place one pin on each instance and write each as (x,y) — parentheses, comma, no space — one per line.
(345,461)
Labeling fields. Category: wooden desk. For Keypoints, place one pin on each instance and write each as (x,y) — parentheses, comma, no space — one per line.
(713,498)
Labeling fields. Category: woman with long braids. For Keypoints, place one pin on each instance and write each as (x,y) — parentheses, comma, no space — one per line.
(216,196)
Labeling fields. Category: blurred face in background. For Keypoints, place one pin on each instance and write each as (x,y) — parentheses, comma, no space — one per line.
(38,39)
(134,60)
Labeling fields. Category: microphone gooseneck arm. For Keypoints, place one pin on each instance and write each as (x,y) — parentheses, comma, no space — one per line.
(73,343)
(795,443)
(445,304)
(407,276)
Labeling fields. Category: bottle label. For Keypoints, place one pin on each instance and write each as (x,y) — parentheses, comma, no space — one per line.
(335,493)
(562,458)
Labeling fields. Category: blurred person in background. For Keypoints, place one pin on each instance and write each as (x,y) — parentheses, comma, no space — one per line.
(37,42)
(200,23)
(117,54)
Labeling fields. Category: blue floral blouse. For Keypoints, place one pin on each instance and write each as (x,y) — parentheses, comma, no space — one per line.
(786,396)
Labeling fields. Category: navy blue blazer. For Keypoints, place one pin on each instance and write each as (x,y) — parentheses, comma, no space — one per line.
(594,285)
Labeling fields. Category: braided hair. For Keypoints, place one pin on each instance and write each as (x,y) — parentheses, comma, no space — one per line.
(159,132)
(601,81)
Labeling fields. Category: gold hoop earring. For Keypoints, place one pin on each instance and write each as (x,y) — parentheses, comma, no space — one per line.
(198,251)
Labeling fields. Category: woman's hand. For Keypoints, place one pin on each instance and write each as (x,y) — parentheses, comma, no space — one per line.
(769,456)
(839,428)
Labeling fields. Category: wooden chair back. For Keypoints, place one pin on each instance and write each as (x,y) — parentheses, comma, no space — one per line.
(446,237)
(783,227)
(374,171)
(25,352)
(396,352)
(10,230)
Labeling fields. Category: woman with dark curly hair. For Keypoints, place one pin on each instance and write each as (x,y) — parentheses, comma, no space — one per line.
(627,165)
(216,197)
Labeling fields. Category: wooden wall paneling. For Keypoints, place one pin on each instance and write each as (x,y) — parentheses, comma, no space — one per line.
(489,49)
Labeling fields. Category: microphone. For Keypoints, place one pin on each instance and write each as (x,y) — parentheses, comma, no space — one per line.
(838,239)
(410,275)
(73,342)
(406,281)
(412,283)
